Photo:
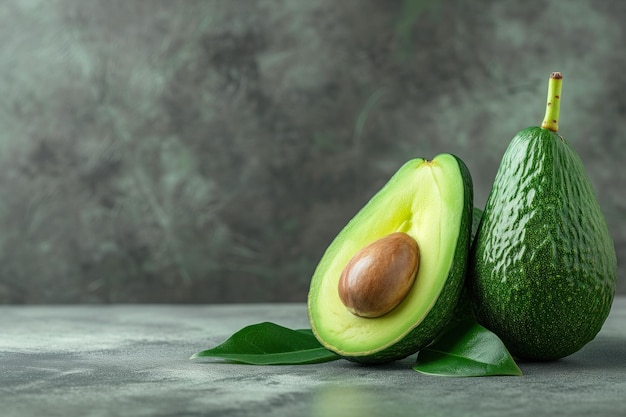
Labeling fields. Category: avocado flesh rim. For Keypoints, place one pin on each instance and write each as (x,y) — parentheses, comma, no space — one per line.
(423,199)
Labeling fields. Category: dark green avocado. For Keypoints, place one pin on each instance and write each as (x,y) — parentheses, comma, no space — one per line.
(543,265)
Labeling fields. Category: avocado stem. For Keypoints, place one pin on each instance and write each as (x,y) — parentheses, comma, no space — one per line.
(553,106)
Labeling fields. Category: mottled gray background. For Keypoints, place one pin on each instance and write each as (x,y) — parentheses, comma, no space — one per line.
(208,151)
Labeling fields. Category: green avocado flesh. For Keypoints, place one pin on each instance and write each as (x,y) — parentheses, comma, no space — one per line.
(543,266)
(431,201)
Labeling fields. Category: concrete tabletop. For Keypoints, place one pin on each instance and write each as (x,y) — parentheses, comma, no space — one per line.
(132,360)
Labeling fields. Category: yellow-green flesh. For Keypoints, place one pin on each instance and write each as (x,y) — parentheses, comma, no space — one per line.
(423,199)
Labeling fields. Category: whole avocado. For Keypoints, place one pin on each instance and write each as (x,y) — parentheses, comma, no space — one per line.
(542,266)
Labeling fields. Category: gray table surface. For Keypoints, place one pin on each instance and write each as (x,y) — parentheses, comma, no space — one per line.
(132,360)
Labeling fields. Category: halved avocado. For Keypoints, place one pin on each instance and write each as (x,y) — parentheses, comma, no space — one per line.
(432,202)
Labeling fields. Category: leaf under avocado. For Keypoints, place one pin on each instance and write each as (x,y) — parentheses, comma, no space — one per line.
(270,344)
(467,349)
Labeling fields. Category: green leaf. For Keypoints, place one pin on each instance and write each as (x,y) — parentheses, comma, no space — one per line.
(467,349)
(270,344)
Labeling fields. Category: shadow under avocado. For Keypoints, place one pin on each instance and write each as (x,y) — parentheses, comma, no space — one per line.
(604,352)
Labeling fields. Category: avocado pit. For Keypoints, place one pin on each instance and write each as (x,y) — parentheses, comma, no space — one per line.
(379,276)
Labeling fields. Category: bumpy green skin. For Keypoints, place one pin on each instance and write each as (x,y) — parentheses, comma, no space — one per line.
(543,265)
(443,310)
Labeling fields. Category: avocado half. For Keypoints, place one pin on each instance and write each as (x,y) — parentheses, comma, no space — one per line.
(432,202)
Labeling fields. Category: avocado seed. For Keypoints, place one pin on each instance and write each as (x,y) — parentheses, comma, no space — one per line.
(380,275)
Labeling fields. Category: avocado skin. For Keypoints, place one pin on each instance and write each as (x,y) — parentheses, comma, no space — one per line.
(444,308)
(463,309)
(543,265)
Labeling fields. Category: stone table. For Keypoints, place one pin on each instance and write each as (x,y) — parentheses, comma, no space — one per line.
(132,360)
